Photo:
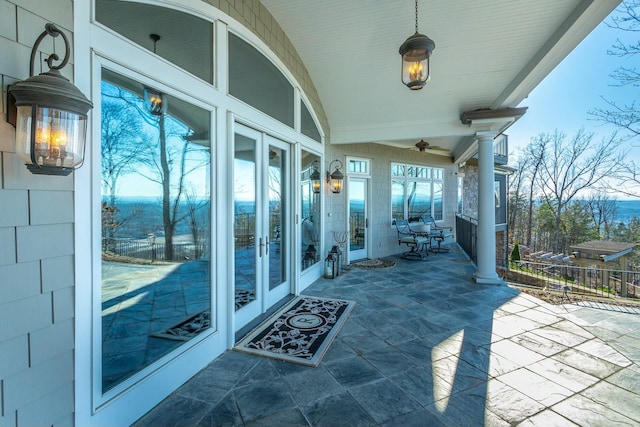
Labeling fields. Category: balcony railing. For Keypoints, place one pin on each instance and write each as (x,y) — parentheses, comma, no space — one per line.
(467,236)
(587,281)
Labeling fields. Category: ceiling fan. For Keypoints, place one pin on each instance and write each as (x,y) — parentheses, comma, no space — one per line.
(423,146)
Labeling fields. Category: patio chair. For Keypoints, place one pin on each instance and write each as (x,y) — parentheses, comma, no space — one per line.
(412,240)
(438,234)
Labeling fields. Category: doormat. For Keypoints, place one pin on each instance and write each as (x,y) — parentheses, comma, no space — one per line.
(375,263)
(193,325)
(187,329)
(300,332)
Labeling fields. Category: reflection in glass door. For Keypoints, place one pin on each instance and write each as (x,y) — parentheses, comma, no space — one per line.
(155,224)
(358,221)
(260,223)
(310,188)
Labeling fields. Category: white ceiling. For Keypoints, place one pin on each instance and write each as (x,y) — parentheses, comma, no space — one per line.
(489,54)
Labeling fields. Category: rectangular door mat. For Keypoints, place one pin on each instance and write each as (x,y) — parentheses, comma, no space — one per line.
(300,332)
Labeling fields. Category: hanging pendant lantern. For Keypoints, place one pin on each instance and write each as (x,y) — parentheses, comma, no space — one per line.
(415,52)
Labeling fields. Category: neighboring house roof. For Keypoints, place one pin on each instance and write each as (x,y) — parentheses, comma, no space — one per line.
(489,54)
(602,250)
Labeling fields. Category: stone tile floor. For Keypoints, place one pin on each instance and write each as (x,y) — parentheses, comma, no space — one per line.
(426,346)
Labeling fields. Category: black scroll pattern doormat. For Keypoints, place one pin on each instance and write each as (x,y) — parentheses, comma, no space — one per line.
(300,332)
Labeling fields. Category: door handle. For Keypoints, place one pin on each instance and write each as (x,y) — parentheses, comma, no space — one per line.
(260,245)
(366,223)
(266,250)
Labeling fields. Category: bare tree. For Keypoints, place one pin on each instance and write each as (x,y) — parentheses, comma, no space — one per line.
(625,117)
(169,165)
(571,167)
(536,150)
(603,213)
(122,140)
(517,200)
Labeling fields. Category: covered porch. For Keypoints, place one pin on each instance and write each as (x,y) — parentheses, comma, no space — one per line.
(425,345)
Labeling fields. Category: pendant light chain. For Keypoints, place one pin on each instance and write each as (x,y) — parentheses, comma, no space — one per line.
(416,16)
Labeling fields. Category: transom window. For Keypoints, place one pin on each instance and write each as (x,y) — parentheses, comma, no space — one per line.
(358,167)
(416,191)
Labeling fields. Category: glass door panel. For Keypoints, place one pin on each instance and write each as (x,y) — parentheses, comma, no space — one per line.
(244,219)
(310,189)
(358,221)
(261,234)
(155,228)
(277,227)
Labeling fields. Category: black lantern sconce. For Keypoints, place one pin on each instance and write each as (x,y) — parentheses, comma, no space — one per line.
(336,178)
(416,51)
(154,102)
(50,115)
(315,177)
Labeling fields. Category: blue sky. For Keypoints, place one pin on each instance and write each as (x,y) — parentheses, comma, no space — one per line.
(576,86)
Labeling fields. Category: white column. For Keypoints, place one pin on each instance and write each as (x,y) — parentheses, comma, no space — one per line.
(486,245)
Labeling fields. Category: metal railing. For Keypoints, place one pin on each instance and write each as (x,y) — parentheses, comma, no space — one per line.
(149,251)
(590,281)
(467,236)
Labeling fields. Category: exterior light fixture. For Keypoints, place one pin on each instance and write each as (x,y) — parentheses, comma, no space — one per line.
(336,178)
(50,116)
(315,177)
(154,102)
(415,52)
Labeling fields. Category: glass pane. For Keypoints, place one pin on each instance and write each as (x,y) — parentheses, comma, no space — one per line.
(397,200)
(418,200)
(358,166)
(357,214)
(255,80)
(460,194)
(156,272)
(185,40)
(397,170)
(309,127)
(421,172)
(244,221)
(277,205)
(437,201)
(310,230)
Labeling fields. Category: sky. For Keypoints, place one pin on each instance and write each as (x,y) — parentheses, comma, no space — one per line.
(576,86)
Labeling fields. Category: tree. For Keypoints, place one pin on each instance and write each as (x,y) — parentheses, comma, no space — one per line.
(515,253)
(517,202)
(122,139)
(536,150)
(571,167)
(603,213)
(626,117)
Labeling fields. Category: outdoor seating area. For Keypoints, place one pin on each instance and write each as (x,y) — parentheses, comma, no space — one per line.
(422,237)
(425,345)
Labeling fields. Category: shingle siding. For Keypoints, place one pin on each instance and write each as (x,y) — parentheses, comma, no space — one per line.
(36,247)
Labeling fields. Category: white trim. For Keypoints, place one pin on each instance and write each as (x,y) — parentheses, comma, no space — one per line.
(102,46)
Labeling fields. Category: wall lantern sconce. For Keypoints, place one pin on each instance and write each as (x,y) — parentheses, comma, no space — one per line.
(415,52)
(50,116)
(154,102)
(315,177)
(335,179)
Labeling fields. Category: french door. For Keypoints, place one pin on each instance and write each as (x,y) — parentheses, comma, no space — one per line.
(261,172)
(358,220)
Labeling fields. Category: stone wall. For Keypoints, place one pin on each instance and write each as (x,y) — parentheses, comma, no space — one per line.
(36,244)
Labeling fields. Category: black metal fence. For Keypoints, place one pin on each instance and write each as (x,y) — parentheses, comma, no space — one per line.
(467,236)
(149,251)
(594,281)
